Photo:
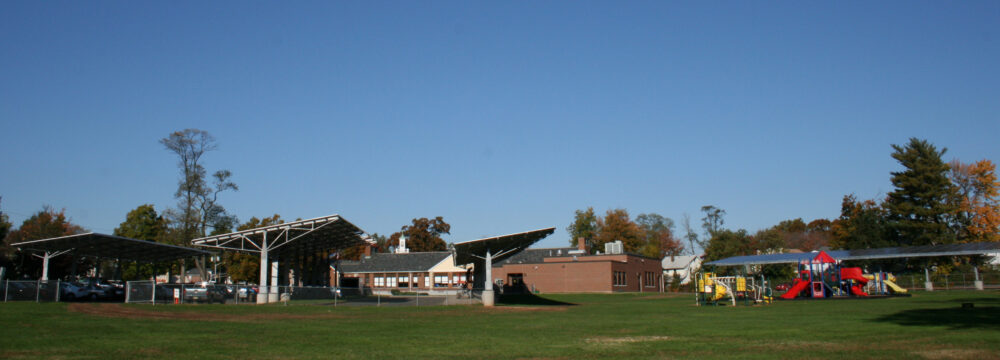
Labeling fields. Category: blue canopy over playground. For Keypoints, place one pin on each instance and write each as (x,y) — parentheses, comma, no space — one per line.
(979,248)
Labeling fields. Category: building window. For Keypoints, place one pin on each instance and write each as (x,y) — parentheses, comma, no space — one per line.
(404,281)
(620,279)
(379,281)
(427,281)
(650,279)
(390,281)
(440,280)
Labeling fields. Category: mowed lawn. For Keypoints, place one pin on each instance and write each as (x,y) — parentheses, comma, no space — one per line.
(927,325)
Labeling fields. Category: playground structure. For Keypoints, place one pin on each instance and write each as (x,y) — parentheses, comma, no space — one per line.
(719,290)
(823,277)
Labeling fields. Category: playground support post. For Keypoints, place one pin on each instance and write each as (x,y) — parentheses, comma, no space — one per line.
(928,285)
(977,281)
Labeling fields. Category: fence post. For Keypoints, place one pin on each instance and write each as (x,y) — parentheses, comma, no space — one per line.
(6,289)
(38,290)
(59,289)
(154,291)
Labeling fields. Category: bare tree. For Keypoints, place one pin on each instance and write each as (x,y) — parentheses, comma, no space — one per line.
(197,203)
(691,235)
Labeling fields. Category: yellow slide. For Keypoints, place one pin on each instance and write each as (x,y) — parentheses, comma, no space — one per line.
(720,292)
(894,287)
(889,282)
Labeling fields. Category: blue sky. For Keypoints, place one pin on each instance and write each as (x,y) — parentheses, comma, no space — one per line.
(501,117)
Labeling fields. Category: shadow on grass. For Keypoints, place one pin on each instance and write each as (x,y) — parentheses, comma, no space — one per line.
(528,299)
(955,318)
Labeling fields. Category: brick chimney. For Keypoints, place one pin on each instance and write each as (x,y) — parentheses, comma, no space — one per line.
(368,251)
(581,244)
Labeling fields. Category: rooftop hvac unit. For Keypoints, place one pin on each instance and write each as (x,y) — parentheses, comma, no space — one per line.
(614,247)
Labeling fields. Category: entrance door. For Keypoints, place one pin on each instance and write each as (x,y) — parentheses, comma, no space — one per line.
(515,284)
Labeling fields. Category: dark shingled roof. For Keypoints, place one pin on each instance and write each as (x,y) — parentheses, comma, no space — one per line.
(537,256)
(381,262)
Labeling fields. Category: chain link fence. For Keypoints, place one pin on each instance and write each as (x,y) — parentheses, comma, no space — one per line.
(949,282)
(31,290)
(146,292)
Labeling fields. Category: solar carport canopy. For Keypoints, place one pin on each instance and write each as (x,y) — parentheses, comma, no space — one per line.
(111,247)
(500,247)
(322,233)
(978,248)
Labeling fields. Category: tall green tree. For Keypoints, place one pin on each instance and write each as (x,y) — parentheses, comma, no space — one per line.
(713,220)
(921,207)
(423,235)
(143,223)
(584,226)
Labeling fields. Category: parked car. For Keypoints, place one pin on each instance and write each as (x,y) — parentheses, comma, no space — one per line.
(112,290)
(72,291)
(95,292)
(204,292)
(248,293)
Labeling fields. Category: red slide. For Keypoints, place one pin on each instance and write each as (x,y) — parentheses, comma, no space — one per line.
(856,275)
(796,289)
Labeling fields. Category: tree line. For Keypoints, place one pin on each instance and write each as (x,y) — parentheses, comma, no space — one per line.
(197,213)
(933,202)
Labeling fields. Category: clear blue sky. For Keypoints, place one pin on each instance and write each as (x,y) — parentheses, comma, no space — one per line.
(501,117)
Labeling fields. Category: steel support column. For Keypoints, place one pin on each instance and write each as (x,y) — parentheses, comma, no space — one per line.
(262,286)
(488,299)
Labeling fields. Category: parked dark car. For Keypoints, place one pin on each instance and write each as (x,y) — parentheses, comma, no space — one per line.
(205,292)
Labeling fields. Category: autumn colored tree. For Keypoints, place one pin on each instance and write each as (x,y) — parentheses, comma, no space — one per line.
(423,235)
(616,225)
(584,226)
(658,236)
(921,208)
(796,234)
(861,225)
(245,266)
(728,243)
(978,200)
(5,251)
(355,253)
(44,224)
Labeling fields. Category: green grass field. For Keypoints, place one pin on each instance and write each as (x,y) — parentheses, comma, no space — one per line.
(927,325)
